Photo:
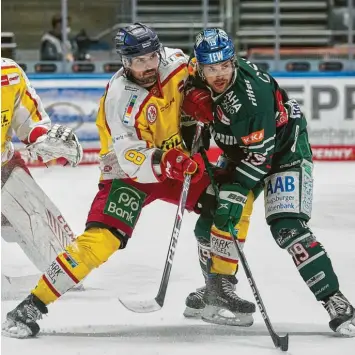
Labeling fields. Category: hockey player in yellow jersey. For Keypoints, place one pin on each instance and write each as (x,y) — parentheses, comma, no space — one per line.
(21,109)
(138,123)
(142,159)
(22,113)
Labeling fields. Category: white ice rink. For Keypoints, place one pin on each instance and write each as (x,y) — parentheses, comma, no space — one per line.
(93,322)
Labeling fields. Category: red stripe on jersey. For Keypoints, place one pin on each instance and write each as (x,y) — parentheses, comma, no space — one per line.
(221,235)
(35,103)
(162,84)
(218,235)
(139,112)
(231,261)
(182,66)
(225,237)
(60,262)
(107,127)
(50,286)
(8,66)
(105,94)
(137,130)
(148,97)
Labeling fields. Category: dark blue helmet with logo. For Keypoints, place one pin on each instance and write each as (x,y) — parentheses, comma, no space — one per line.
(212,46)
(136,40)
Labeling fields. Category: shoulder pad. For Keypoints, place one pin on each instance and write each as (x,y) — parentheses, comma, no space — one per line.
(174,59)
(174,55)
(11,73)
(7,62)
(126,98)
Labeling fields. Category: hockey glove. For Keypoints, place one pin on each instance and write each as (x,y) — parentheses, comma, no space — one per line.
(175,164)
(198,104)
(232,198)
(58,142)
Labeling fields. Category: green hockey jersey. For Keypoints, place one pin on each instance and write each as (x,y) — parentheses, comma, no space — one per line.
(256,125)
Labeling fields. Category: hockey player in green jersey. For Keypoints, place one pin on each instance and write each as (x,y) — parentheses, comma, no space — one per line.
(263,136)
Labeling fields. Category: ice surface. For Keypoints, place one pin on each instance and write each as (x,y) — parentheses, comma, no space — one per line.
(93,322)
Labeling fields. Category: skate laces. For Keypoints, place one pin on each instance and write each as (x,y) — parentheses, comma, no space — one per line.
(336,305)
(29,312)
(33,313)
(229,289)
(200,292)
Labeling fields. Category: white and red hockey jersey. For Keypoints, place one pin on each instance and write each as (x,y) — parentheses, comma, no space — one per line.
(134,122)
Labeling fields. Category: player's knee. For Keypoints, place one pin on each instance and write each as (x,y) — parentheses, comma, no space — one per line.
(94,246)
(120,235)
(290,231)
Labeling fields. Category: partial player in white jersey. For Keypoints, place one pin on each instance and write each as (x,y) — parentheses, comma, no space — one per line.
(28,217)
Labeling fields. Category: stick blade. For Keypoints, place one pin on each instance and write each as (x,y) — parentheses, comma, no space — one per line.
(283,342)
(141,306)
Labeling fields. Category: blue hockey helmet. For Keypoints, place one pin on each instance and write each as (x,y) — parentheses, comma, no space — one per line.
(136,40)
(213,45)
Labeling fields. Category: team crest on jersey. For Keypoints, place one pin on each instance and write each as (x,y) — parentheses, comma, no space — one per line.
(129,109)
(222,117)
(152,113)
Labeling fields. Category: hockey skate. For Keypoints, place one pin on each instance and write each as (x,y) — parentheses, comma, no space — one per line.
(218,303)
(22,321)
(194,303)
(342,315)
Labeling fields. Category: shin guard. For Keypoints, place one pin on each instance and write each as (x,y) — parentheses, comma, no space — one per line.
(308,254)
(88,251)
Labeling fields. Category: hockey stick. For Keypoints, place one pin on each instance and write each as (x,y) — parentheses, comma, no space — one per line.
(153,305)
(279,341)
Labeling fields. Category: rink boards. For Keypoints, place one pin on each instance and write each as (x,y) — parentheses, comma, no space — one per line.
(327,99)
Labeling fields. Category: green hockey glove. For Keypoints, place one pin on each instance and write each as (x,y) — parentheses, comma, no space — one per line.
(232,198)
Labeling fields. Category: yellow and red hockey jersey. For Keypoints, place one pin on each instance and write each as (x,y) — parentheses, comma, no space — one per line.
(21,108)
(135,122)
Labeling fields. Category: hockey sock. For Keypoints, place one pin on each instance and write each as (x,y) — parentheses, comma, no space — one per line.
(308,254)
(87,252)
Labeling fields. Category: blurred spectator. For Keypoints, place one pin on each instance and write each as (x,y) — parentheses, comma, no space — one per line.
(83,42)
(52,46)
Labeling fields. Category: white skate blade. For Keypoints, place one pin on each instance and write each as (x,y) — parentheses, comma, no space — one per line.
(222,316)
(15,330)
(347,329)
(192,312)
(146,306)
